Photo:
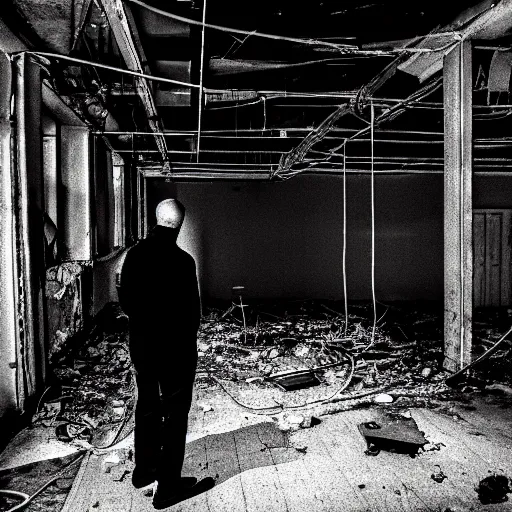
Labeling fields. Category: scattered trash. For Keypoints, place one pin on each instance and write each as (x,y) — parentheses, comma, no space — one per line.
(67,432)
(205,407)
(397,435)
(295,419)
(110,461)
(438,475)
(383,398)
(299,379)
(250,380)
(500,388)
(433,447)
(426,372)
(493,489)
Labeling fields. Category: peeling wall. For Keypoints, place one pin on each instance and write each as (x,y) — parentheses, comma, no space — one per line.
(65,304)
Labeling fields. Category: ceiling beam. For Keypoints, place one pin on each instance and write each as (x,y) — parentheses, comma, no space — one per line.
(487,20)
(127,40)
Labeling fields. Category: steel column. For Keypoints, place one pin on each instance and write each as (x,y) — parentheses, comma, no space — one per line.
(458,257)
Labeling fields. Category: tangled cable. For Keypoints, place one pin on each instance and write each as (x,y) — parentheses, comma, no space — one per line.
(268,410)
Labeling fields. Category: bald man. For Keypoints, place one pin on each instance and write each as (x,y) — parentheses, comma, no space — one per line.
(159,293)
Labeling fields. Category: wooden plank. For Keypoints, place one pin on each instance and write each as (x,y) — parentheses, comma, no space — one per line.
(70,505)
(224,466)
(298,490)
(458,266)
(262,489)
(346,447)
(479,259)
(329,479)
(483,453)
(418,490)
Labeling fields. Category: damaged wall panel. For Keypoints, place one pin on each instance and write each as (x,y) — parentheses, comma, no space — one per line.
(75,214)
(30,232)
(64,294)
(8,391)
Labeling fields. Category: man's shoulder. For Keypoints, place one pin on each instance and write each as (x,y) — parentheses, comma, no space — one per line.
(185,256)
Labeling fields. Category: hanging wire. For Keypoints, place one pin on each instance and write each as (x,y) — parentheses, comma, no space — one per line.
(372,129)
(264,112)
(346,48)
(345,236)
(201,73)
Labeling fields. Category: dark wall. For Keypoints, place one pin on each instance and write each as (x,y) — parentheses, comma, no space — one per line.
(284,239)
(492,192)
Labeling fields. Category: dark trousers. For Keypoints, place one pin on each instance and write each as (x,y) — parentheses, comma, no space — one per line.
(161,414)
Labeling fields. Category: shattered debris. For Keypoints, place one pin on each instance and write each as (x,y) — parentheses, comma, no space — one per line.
(393,434)
(493,489)
(383,398)
(300,336)
(95,382)
(438,475)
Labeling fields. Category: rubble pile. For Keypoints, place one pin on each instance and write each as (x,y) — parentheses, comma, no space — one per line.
(400,365)
(95,383)
(406,350)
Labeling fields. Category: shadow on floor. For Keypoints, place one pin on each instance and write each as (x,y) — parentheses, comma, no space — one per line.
(225,455)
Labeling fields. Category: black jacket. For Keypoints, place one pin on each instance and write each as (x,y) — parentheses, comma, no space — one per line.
(159,293)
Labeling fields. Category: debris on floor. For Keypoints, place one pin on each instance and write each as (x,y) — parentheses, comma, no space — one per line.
(493,489)
(392,434)
(95,383)
(293,344)
(30,478)
(308,341)
(438,475)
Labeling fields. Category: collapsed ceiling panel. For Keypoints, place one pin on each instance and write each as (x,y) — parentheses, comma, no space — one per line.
(275,86)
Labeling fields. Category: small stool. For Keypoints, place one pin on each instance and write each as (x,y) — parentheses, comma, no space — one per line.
(237,301)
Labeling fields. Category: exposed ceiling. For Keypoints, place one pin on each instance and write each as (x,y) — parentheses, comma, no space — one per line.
(263,96)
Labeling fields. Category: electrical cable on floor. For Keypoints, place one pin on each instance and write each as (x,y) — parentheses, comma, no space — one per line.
(344,259)
(28,499)
(280,407)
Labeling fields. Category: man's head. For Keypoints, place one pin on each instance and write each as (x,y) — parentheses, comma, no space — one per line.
(170,214)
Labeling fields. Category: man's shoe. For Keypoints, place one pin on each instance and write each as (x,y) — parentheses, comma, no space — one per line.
(166,497)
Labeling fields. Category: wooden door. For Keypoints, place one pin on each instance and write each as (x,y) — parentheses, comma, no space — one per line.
(491,257)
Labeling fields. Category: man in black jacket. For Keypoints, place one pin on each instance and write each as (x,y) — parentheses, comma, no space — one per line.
(159,293)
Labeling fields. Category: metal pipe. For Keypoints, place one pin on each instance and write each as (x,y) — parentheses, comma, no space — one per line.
(200,107)
(258,130)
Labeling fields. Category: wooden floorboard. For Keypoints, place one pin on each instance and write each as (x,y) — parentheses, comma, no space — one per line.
(261,487)
(257,472)
(382,489)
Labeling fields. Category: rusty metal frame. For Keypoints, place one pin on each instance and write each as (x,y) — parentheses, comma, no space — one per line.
(119,17)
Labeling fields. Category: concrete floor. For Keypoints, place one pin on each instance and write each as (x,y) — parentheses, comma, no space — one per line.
(323,468)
